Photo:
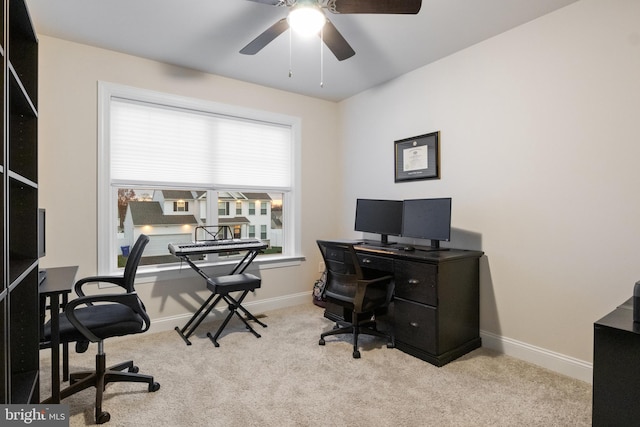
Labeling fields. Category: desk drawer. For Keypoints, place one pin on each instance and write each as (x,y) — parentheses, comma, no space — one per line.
(416,282)
(376,262)
(416,324)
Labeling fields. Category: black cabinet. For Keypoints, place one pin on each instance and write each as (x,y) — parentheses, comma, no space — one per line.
(19,333)
(435,312)
(616,369)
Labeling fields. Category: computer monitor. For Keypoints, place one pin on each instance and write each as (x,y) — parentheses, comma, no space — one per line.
(382,217)
(427,219)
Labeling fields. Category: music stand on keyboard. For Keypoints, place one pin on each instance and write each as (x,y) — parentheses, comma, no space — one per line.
(212,232)
(219,242)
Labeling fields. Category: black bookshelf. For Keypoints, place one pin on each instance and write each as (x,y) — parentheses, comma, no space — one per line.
(19,333)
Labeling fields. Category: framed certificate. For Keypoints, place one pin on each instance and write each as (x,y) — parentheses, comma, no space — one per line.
(418,158)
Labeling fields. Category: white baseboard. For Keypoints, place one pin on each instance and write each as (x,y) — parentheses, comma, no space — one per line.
(556,362)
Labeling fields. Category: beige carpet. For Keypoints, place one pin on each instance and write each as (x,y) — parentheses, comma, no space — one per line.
(286,379)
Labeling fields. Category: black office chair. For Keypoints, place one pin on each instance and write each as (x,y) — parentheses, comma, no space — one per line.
(362,293)
(94,318)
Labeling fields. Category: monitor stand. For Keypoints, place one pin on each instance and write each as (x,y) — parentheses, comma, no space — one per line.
(435,246)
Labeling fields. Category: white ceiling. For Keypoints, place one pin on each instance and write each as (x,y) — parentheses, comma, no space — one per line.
(207,35)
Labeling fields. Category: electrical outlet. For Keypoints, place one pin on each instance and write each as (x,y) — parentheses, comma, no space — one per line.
(321,267)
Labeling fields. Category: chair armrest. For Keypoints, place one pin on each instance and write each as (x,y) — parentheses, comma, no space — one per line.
(116,280)
(363,284)
(130,300)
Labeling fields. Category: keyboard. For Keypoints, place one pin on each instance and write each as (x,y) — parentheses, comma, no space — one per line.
(212,246)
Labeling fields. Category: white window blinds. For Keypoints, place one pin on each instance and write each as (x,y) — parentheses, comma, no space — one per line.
(161,144)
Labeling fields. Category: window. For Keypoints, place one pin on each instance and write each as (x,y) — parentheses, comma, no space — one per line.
(180,206)
(223,208)
(169,164)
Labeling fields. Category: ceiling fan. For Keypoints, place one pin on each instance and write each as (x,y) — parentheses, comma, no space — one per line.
(330,34)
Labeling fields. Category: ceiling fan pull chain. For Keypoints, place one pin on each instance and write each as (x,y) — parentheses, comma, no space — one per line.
(321,58)
(290,72)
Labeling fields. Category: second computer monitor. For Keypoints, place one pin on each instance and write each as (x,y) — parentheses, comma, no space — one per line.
(427,219)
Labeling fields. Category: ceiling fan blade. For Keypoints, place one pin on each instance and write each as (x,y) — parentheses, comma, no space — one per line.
(266,37)
(377,6)
(336,43)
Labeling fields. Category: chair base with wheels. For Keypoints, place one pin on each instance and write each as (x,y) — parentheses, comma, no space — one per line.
(363,326)
(103,376)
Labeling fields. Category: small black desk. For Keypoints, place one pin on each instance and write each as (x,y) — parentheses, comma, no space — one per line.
(435,312)
(57,285)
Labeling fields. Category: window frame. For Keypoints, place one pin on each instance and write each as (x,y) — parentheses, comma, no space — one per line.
(107,206)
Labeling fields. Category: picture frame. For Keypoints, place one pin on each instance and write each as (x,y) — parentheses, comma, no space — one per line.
(417,158)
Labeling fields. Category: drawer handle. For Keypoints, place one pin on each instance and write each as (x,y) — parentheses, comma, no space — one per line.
(366,261)
(414,324)
(414,281)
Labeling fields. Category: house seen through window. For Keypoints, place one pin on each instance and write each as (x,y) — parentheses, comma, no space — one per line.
(171,216)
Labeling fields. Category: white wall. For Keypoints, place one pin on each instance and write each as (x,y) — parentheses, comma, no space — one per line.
(540,152)
(69,75)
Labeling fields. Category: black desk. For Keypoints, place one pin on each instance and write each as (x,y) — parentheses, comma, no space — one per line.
(204,310)
(57,285)
(435,312)
(616,368)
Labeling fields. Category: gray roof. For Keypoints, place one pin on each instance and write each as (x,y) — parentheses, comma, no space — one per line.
(177,195)
(248,196)
(150,213)
(257,196)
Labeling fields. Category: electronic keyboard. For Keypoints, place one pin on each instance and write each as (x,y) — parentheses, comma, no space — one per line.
(213,246)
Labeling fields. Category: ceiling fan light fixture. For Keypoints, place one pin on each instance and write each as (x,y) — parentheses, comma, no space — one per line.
(306,20)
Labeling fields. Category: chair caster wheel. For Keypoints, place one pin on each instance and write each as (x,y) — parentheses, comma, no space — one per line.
(134,369)
(391,345)
(154,387)
(102,417)
(356,354)
(321,342)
